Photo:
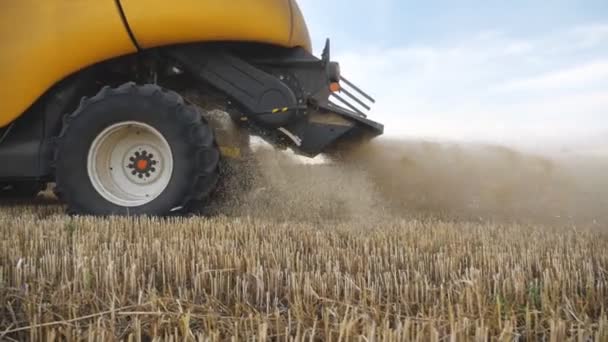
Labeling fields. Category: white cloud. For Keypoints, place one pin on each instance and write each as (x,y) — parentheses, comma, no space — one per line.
(578,75)
(489,87)
(591,35)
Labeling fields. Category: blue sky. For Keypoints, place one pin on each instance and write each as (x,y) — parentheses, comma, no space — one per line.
(510,71)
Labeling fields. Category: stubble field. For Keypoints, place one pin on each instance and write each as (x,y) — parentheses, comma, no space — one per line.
(400,241)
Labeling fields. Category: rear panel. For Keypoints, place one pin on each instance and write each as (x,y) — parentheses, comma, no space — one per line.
(162,22)
(44,41)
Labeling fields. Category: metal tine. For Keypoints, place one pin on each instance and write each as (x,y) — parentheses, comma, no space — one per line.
(357,89)
(354,98)
(350,104)
(332,104)
(347,104)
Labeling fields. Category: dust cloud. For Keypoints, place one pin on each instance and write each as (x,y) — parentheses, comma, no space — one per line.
(389,178)
(483,181)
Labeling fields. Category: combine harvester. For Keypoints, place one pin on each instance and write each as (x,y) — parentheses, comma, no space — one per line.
(92,97)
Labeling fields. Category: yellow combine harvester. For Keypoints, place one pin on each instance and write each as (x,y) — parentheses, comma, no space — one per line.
(91,96)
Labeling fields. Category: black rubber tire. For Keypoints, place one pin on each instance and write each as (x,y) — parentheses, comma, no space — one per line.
(21,190)
(195,154)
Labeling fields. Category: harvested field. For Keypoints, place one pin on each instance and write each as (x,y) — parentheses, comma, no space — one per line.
(422,243)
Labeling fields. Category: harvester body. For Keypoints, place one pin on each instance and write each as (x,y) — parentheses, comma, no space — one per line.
(43,42)
(61,59)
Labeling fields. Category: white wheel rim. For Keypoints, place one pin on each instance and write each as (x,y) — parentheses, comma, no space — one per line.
(130,164)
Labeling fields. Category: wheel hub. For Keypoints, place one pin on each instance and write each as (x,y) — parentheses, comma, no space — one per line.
(130,164)
(142,164)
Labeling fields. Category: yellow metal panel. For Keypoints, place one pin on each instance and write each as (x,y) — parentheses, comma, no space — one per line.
(299,31)
(162,22)
(43,41)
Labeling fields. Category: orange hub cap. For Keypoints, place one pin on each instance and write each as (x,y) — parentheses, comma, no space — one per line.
(141,165)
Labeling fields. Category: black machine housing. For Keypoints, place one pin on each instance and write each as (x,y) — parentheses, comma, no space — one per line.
(285,93)
(280,94)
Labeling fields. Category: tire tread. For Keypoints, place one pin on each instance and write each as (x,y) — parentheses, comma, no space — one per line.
(201,137)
